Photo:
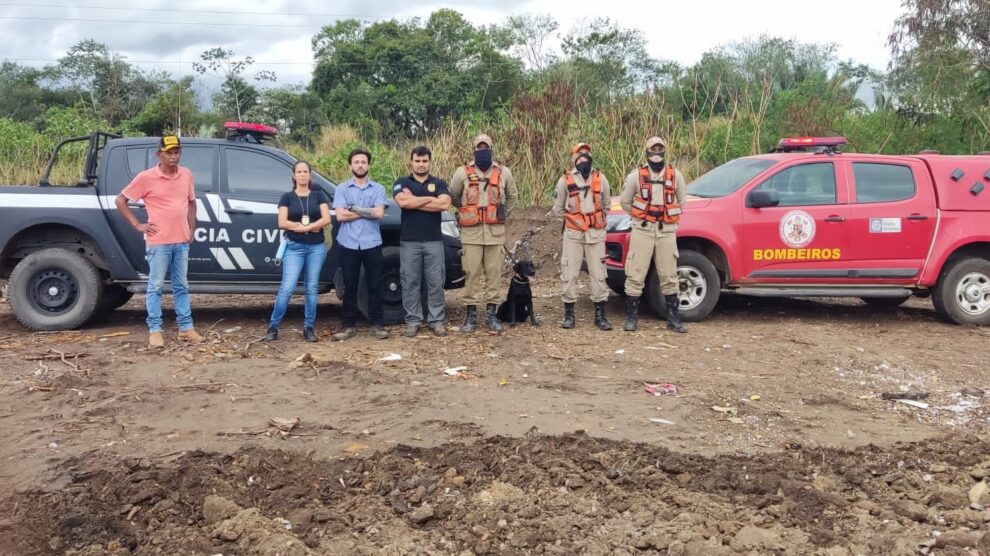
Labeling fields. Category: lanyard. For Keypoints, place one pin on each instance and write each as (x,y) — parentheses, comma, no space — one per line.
(305,216)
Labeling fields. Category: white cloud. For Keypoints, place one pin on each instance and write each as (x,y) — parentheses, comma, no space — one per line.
(680,31)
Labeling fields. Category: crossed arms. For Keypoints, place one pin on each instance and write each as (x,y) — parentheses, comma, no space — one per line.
(407,200)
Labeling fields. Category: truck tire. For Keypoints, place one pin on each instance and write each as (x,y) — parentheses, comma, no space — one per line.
(699,284)
(391,288)
(54,289)
(885,303)
(962,294)
(114,296)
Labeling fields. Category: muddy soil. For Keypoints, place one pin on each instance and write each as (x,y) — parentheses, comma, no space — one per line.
(571,494)
(786,434)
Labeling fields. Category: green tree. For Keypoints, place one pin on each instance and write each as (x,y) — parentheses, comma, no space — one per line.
(295,111)
(22,96)
(940,72)
(102,79)
(408,77)
(173,109)
(236,95)
(529,37)
(606,62)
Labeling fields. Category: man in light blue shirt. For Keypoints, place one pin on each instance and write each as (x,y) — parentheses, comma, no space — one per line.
(359,205)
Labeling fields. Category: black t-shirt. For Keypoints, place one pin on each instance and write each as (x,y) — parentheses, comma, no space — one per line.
(420,225)
(297,206)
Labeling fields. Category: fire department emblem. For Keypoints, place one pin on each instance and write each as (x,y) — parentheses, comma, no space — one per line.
(797,229)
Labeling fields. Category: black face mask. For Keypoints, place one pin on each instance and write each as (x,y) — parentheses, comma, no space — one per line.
(483,159)
(583,165)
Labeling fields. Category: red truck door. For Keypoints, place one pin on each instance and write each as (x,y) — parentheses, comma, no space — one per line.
(805,237)
(892,218)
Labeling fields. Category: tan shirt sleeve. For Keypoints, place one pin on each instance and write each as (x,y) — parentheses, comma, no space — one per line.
(509,189)
(456,186)
(560,199)
(629,190)
(681,187)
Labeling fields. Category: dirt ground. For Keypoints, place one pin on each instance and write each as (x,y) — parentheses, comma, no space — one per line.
(781,438)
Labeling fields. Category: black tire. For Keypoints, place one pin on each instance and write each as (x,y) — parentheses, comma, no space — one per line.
(885,303)
(54,289)
(962,294)
(391,288)
(700,287)
(114,296)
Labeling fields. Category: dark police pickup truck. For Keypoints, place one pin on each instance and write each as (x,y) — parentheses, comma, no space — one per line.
(69,254)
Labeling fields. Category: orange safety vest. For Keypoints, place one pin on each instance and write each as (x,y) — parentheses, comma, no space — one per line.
(470,214)
(577,220)
(670,211)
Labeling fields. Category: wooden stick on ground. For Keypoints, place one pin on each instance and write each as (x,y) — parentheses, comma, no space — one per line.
(66,361)
(248,345)
(49,356)
(194,385)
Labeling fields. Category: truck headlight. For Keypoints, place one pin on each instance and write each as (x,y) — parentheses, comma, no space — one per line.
(449,228)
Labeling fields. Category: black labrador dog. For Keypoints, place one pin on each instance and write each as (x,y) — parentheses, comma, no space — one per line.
(518,304)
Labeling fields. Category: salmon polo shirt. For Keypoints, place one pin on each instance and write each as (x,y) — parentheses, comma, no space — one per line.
(167,200)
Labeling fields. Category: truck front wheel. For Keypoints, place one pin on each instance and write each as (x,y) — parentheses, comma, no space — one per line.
(699,287)
(962,294)
(54,289)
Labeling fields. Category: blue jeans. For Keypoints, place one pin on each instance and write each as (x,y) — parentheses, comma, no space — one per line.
(298,255)
(161,258)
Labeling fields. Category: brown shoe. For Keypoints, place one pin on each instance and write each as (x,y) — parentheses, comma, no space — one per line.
(346,333)
(191,336)
(156,340)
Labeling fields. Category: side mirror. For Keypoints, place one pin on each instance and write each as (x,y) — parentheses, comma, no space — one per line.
(759,198)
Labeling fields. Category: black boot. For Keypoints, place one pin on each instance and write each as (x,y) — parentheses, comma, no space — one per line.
(491,319)
(309,335)
(600,321)
(470,319)
(568,316)
(272,334)
(632,313)
(673,320)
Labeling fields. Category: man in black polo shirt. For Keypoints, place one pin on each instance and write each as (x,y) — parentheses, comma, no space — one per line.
(422,198)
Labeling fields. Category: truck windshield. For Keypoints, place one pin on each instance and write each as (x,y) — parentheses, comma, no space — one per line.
(728,177)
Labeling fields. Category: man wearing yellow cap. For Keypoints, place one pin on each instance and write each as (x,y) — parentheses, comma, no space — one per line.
(653,195)
(169,196)
(483,191)
(582,198)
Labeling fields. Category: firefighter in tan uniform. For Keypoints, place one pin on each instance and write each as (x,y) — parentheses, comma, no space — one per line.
(583,198)
(483,191)
(653,195)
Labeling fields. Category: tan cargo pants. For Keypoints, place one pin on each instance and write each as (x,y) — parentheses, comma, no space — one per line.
(645,246)
(573,253)
(482,263)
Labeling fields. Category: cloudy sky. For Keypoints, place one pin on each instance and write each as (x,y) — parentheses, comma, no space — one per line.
(170,35)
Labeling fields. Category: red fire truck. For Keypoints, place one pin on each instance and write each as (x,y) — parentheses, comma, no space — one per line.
(808,220)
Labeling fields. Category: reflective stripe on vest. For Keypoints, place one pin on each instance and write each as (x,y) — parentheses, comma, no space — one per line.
(670,211)
(470,214)
(577,220)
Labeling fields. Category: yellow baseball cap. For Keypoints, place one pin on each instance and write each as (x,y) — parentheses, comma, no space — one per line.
(169,142)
